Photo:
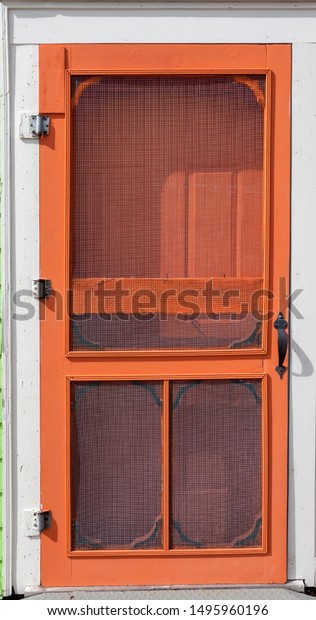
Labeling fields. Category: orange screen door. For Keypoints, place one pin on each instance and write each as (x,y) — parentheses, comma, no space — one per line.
(165,232)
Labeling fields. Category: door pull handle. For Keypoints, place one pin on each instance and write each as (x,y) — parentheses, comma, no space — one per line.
(280,324)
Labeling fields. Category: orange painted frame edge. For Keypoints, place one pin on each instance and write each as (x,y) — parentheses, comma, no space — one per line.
(272,567)
(262,350)
(167,552)
(165,452)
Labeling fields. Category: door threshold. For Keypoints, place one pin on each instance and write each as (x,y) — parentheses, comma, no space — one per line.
(295,585)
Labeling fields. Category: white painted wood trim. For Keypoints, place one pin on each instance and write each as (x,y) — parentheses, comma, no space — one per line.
(302,439)
(6,309)
(162,25)
(25,333)
(213,26)
(160,4)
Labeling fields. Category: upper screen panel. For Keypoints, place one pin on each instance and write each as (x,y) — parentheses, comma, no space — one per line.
(167,212)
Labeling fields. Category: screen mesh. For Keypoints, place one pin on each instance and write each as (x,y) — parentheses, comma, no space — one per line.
(167,195)
(116,473)
(216,483)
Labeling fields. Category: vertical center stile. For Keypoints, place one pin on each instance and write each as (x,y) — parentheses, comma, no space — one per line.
(166,472)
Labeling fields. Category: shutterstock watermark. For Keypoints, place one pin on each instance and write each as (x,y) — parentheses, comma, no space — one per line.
(186,300)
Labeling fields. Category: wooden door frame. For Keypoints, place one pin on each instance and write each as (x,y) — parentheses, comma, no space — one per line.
(57,567)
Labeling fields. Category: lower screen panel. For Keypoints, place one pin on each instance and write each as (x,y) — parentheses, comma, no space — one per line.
(216,490)
(116,465)
(214,458)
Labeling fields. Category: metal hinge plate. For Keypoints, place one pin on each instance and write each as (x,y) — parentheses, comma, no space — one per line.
(34,126)
(36,521)
(41,288)
(42,520)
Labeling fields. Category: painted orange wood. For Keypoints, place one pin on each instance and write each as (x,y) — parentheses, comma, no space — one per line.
(58,568)
(167,296)
(52,87)
(154,57)
(166,466)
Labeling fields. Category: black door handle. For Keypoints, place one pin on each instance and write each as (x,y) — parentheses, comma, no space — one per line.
(280,324)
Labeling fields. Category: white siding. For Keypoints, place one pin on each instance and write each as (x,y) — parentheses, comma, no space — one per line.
(25,334)
(303,349)
(31,26)
(163,25)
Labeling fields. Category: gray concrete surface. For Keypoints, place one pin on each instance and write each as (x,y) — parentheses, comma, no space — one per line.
(264,593)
